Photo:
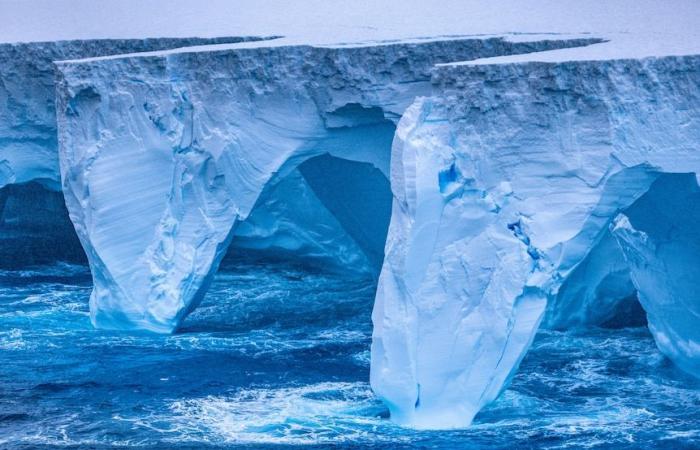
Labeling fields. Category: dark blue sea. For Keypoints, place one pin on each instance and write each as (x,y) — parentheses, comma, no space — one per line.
(278,356)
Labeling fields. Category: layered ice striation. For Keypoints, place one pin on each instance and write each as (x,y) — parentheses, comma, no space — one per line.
(509,184)
(165,155)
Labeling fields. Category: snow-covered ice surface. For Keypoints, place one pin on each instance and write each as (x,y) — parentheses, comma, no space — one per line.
(335,22)
(528,142)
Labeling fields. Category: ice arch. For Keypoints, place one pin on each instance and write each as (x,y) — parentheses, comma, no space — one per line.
(209,195)
(160,162)
(504,178)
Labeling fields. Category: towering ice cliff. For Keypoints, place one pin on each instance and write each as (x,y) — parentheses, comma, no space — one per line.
(508,182)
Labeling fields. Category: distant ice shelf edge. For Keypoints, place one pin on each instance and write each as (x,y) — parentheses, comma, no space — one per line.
(487,199)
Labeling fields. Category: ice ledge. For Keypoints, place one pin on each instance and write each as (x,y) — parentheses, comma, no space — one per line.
(610,46)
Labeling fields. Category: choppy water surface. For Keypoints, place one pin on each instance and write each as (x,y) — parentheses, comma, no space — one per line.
(278,355)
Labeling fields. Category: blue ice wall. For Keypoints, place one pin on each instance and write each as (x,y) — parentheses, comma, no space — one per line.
(660,238)
(358,195)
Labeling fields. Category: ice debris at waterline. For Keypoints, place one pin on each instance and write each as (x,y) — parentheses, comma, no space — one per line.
(487,186)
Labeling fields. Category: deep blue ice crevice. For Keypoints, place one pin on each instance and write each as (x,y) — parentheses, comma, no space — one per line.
(660,238)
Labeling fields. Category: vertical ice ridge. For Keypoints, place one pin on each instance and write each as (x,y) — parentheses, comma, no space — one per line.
(552,152)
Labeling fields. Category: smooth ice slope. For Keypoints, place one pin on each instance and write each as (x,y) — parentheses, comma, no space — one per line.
(504,182)
(162,155)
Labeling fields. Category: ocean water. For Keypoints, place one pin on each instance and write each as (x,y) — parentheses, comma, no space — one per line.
(278,356)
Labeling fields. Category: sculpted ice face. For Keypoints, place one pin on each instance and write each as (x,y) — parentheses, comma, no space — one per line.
(505,177)
(506,181)
(162,162)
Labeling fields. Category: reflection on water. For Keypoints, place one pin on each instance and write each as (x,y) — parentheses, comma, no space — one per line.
(280,355)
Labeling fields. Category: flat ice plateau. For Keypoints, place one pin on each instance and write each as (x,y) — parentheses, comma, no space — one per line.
(493,170)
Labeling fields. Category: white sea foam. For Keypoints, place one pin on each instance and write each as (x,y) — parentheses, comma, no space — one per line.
(310,414)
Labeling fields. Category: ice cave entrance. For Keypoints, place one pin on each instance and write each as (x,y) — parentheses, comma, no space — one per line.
(328,212)
(328,209)
(35,227)
(643,270)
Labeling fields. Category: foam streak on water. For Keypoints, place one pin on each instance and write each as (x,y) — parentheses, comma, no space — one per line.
(280,355)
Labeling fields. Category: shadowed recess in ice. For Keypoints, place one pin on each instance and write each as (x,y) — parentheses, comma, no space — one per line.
(35,228)
(660,238)
(329,212)
(277,354)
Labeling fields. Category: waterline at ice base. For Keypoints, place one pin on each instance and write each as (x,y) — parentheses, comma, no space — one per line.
(389,225)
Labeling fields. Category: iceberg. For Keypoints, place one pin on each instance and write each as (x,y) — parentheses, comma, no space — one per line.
(489,185)
(507,181)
